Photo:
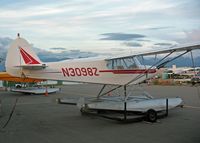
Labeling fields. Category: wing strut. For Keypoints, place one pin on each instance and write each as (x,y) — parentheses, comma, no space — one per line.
(193,64)
(164,63)
(144,66)
(101,91)
(194,67)
(125,103)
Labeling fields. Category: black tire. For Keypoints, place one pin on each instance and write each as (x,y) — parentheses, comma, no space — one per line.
(151,115)
(82,110)
(101,111)
(193,83)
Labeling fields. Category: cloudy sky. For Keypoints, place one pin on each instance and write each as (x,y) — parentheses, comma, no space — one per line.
(101,26)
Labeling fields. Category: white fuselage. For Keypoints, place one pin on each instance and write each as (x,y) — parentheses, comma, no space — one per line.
(90,71)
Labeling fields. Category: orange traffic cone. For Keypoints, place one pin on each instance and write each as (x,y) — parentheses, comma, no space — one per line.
(46,92)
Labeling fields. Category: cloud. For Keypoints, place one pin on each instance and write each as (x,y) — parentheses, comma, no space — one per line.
(117,49)
(187,8)
(184,36)
(193,35)
(132,44)
(159,28)
(31,12)
(52,56)
(121,36)
(4,44)
(143,40)
(78,23)
(59,48)
(163,44)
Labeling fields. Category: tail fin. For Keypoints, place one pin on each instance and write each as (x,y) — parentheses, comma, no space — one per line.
(20,53)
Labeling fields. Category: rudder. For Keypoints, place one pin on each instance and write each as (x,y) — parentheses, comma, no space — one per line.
(20,53)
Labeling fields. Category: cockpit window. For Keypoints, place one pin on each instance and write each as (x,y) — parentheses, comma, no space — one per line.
(127,63)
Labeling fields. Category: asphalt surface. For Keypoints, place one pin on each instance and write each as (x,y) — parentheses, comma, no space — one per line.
(37,118)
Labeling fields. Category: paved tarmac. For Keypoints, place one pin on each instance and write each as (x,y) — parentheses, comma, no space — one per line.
(39,119)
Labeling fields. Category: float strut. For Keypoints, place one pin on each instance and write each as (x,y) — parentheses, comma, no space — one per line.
(125,104)
(166,107)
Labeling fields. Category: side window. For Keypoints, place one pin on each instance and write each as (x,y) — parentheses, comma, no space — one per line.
(131,63)
(118,64)
(109,64)
(128,63)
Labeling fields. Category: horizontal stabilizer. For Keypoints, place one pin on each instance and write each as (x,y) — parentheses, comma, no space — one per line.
(33,67)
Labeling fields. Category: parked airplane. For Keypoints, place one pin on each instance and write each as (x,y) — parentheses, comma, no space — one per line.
(122,71)
(21,61)
(27,90)
(100,70)
(6,77)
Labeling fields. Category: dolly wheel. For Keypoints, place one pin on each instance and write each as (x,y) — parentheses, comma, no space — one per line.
(82,110)
(151,115)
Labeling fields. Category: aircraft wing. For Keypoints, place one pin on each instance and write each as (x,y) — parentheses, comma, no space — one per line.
(177,48)
(5,76)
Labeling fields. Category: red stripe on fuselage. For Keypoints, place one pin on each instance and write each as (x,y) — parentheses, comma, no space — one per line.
(28,59)
(137,71)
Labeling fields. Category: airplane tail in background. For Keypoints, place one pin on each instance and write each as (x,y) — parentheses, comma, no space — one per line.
(19,54)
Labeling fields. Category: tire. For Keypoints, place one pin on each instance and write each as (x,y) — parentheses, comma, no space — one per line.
(193,83)
(82,110)
(151,115)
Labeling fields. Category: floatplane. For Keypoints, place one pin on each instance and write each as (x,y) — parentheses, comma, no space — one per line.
(120,71)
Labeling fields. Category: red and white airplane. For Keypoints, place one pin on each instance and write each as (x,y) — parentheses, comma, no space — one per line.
(22,62)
